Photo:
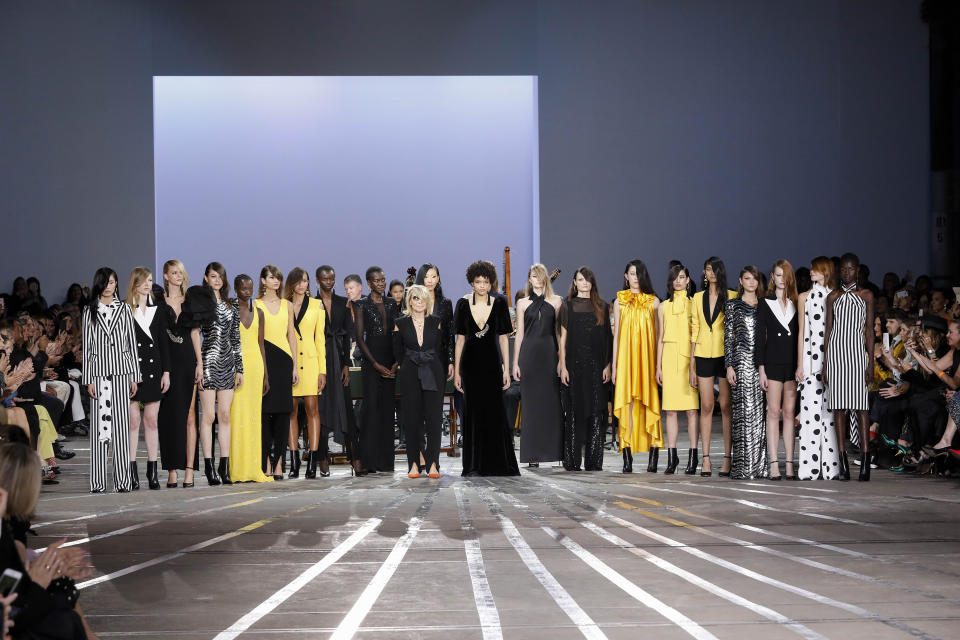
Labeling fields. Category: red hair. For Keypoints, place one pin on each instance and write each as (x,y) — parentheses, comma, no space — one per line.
(789,280)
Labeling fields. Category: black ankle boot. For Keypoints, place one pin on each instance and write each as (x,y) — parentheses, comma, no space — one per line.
(627,460)
(693,458)
(864,466)
(673,460)
(225,470)
(211,472)
(294,464)
(844,467)
(134,477)
(311,471)
(154,482)
(653,460)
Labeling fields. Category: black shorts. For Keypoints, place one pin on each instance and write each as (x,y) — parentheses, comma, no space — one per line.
(710,367)
(780,372)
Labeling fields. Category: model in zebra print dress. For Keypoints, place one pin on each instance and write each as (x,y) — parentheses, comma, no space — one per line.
(748,428)
(849,360)
(222,360)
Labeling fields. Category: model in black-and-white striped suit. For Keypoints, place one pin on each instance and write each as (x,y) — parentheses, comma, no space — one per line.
(110,370)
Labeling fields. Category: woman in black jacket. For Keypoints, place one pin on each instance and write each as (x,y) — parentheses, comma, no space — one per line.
(777,332)
(46,604)
(419,348)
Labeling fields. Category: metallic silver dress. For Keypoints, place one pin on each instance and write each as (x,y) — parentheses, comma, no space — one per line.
(748,429)
(221,349)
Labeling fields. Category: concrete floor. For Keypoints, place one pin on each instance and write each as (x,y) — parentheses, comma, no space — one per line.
(548,555)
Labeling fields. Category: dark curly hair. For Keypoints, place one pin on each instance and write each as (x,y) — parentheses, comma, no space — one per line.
(481,268)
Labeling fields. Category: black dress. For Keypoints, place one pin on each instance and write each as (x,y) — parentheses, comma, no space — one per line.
(374,332)
(336,406)
(197,307)
(420,381)
(589,350)
(153,353)
(487,436)
(541,422)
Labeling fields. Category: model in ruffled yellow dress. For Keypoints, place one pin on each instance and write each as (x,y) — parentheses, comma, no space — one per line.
(245,410)
(636,399)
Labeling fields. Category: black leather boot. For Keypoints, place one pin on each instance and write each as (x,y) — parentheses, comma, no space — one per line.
(653,460)
(294,464)
(134,477)
(673,460)
(211,472)
(311,471)
(864,466)
(627,460)
(152,480)
(693,459)
(225,470)
(844,467)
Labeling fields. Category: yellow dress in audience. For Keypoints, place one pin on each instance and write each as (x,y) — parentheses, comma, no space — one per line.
(245,440)
(48,433)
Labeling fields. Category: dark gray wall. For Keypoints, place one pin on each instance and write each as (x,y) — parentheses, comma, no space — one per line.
(750,129)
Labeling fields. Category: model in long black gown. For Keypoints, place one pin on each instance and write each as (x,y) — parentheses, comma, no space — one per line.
(197,308)
(541,436)
(487,436)
(374,330)
(589,350)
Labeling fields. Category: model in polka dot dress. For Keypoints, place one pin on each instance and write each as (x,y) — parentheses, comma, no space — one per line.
(819,456)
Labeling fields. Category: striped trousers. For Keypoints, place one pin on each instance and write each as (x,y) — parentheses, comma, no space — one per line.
(110,426)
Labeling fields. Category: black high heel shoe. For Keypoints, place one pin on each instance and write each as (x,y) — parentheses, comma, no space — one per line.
(211,472)
(708,473)
(323,465)
(294,464)
(693,458)
(844,471)
(673,461)
(726,474)
(134,477)
(864,466)
(311,471)
(789,476)
(225,470)
(777,477)
(152,480)
(627,460)
(653,459)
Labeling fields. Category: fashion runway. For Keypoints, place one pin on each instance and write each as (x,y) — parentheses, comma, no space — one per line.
(548,555)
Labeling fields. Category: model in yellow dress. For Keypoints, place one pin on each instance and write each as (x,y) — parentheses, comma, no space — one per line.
(636,397)
(673,367)
(245,409)
(309,321)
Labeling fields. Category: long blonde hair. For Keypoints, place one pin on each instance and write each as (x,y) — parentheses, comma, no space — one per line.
(170,264)
(541,272)
(20,477)
(137,276)
(421,292)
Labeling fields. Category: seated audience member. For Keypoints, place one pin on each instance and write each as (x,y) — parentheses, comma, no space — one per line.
(935,353)
(75,295)
(47,593)
(941,299)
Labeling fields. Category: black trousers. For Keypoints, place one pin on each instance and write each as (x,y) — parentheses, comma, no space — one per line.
(929,416)
(274,432)
(376,434)
(422,416)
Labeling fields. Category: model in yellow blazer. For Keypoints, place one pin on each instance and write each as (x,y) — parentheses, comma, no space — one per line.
(706,333)
(706,341)
(309,322)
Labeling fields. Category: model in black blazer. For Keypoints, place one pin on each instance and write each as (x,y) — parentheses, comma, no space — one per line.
(777,332)
(336,404)
(153,354)
(421,379)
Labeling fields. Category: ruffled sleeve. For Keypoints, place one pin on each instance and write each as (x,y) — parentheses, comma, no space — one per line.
(199,307)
